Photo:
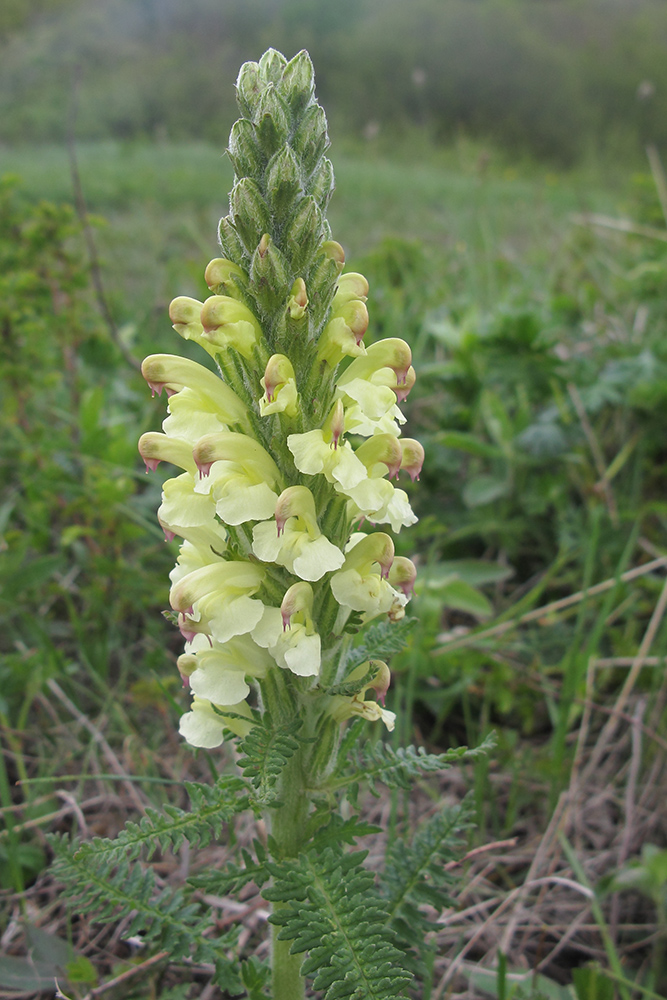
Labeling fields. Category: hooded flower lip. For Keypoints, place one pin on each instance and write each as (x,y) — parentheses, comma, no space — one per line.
(167,371)
(343,334)
(389,353)
(412,457)
(227,446)
(403,574)
(381,449)
(217,599)
(358,586)
(279,384)
(228,323)
(155,448)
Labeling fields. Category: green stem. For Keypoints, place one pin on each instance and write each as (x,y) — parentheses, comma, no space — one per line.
(287,828)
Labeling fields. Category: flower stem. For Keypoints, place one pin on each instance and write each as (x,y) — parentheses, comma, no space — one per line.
(288,824)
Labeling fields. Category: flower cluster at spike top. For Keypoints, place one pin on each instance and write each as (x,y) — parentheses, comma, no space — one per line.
(289,448)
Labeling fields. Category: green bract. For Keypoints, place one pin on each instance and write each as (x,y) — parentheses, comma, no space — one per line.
(286,452)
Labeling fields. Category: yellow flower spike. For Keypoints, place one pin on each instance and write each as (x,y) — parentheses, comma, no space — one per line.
(412,458)
(298,300)
(279,384)
(155,448)
(228,323)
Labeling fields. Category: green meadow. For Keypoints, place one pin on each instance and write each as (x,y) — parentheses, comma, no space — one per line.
(539,341)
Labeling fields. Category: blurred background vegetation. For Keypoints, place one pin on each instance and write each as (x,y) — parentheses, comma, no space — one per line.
(493,184)
(553,79)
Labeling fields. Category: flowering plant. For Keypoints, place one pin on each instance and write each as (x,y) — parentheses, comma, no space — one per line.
(288,441)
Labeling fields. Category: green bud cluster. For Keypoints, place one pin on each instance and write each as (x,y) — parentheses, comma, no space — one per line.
(276,229)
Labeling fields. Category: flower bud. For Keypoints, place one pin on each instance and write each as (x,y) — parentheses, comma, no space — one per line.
(243,150)
(343,334)
(278,372)
(248,88)
(251,214)
(322,183)
(185,314)
(283,181)
(273,122)
(229,240)
(303,233)
(297,85)
(334,425)
(403,574)
(269,273)
(412,458)
(224,277)
(334,252)
(271,66)
(298,300)
(310,139)
(280,387)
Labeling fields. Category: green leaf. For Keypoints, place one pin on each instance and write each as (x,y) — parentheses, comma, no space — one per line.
(26,975)
(484,489)
(590,983)
(333,911)
(476,572)
(458,594)
(469,443)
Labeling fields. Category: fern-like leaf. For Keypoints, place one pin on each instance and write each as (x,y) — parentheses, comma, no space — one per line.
(380,641)
(379,762)
(331,909)
(212,807)
(416,872)
(107,887)
(265,751)
(230,880)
